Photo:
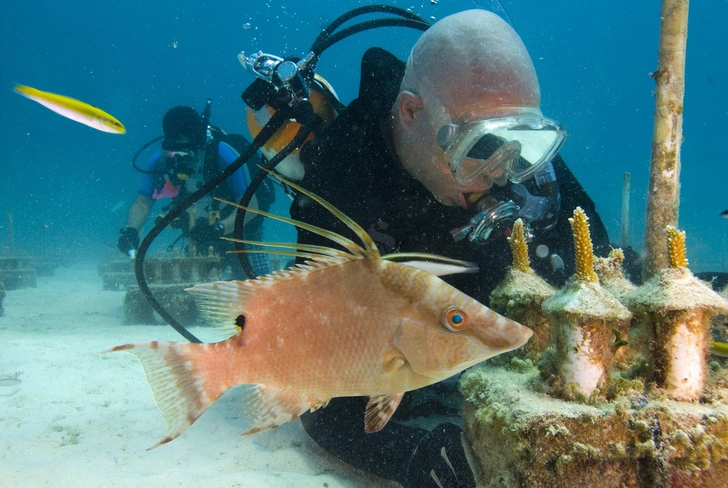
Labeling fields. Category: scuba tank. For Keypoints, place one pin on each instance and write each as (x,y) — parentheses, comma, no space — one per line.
(324,100)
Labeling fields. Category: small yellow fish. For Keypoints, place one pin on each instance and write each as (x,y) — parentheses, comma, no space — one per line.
(346,323)
(719,349)
(73,109)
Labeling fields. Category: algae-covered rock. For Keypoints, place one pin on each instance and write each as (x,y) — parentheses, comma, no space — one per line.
(523,438)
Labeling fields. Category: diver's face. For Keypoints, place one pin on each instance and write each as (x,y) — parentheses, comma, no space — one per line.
(425,159)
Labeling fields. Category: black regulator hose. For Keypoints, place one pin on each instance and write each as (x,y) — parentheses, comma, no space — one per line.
(327,38)
(304,113)
(266,133)
(141,150)
(367,25)
(368,9)
(309,122)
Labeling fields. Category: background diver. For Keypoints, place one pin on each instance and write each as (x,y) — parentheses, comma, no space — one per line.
(191,154)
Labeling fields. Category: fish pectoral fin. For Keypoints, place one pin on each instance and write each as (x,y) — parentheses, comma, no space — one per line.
(265,407)
(379,410)
(223,304)
(393,361)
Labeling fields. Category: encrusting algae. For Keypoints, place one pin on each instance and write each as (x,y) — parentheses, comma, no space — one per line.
(610,274)
(526,439)
(584,316)
(520,295)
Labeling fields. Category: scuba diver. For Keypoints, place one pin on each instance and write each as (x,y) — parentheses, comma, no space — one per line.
(441,155)
(192,153)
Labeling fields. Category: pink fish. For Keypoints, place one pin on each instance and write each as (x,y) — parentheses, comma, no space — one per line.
(346,323)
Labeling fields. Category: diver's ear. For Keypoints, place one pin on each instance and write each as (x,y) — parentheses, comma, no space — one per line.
(409,106)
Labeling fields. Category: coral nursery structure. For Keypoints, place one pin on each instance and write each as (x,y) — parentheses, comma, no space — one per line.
(678,309)
(167,279)
(520,295)
(654,417)
(584,316)
(589,415)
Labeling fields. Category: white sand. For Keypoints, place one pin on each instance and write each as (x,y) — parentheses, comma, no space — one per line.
(80,419)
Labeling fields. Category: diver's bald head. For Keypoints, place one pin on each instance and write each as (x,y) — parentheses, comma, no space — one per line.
(473,56)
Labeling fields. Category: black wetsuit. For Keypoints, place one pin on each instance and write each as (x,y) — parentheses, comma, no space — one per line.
(354,166)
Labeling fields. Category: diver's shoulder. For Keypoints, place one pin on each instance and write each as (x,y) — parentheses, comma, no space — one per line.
(227,152)
(381,74)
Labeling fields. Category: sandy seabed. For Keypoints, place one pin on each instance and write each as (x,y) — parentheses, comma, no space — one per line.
(81,419)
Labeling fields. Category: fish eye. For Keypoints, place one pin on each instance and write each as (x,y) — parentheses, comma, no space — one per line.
(455,319)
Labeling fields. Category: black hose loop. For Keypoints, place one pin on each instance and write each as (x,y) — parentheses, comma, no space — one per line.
(266,133)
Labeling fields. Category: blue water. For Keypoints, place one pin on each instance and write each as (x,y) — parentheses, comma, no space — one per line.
(69,186)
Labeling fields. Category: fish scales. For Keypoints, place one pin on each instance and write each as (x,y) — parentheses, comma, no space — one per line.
(314,334)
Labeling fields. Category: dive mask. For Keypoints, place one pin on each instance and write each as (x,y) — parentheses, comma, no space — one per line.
(517,145)
(180,164)
(512,145)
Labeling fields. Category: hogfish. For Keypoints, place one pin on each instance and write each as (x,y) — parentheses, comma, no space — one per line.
(342,323)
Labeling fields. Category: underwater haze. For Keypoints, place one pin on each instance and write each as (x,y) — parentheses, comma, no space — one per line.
(70,416)
(69,187)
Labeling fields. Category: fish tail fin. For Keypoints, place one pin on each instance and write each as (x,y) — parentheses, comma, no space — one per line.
(184,379)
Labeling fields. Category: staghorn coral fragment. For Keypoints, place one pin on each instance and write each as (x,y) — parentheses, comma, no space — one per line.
(676,252)
(519,248)
(583,248)
(583,316)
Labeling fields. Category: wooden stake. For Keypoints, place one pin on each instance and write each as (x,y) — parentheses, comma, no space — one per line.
(663,196)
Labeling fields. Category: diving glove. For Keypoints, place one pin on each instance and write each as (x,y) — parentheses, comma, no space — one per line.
(128,240)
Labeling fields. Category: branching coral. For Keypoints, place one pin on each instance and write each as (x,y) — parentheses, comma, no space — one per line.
(676,252)
(584,251)
(519,248)
(585,314)
(520,294)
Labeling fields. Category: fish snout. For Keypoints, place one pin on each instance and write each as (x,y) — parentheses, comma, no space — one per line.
(501,334)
